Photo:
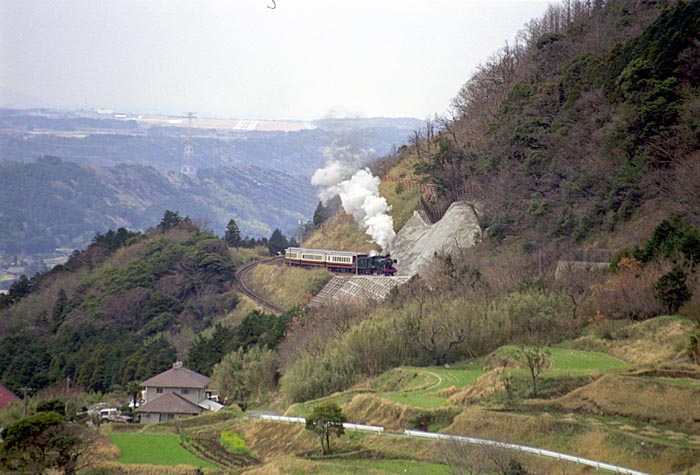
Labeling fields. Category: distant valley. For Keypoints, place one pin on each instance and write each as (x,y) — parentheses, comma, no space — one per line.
(66,176)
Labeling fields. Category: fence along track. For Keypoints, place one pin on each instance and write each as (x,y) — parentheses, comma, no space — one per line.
(243,287)
(473,441)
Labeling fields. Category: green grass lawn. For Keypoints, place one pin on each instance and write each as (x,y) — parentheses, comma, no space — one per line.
(434,378)
(429,380)
(154,449)
(565,359)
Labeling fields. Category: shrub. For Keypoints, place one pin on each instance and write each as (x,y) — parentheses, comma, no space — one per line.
(234,443)
(671,290)
(628,293)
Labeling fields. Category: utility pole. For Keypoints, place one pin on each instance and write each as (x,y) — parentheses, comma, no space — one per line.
(24,390)
(65,409)
(187,154)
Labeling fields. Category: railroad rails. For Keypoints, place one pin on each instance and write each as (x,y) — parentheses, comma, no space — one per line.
(339,262)
(243,273)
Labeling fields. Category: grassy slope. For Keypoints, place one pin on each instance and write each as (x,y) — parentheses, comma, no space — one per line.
(288,286)
(634,415)
(649,342)
(340,232)
(403,204)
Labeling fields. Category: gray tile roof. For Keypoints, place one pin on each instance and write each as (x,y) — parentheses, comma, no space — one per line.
(178,378)
(171,403)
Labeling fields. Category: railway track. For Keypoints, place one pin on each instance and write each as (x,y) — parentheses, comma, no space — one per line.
(244,287)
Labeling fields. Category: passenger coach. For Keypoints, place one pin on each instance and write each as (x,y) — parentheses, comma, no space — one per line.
(340,261)
(336,261)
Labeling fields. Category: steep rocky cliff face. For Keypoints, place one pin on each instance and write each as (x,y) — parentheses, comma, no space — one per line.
(418,241)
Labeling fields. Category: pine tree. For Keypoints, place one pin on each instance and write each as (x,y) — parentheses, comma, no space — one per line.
(277,243)
(233,234)
(671,290)
(320,215)
(170,220)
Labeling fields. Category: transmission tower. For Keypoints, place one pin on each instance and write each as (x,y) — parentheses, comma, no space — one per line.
(187,154)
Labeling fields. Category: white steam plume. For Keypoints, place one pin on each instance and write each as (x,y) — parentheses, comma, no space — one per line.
(359,193)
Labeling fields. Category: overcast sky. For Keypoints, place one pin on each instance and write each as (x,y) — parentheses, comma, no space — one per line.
(306,59)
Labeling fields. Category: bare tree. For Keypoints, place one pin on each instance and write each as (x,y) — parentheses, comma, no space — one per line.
(416,140)
(536,359)
(429,134)
(465,459)
(462,458)
(436,327)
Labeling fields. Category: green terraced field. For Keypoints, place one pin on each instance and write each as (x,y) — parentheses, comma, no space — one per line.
(434,379)
(575,361)
(417,386)
(154,449)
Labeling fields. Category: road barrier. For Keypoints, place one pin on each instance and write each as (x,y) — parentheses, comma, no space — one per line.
(301,420)
(470,440)
(288,420)
(363,428)
(523,448)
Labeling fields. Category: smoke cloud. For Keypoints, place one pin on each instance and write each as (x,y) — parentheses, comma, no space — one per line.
(358,191)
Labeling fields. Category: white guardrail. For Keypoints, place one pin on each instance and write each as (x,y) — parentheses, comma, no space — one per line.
(363,428)
(288,420)
(523,448)
(301,420)
(470,440)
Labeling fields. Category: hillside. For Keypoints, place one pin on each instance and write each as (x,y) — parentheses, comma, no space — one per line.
(583,408)
(149,291)
(568,319)
(592,128)
(582,153)
(70,203)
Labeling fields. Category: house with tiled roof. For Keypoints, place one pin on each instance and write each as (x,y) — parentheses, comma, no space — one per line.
(7,397)
(176,393)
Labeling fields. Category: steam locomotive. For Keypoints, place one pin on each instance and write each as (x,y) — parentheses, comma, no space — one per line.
(340,261)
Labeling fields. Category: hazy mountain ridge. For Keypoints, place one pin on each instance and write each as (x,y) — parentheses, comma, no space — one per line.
(52,203)
(113,172)
(28,135)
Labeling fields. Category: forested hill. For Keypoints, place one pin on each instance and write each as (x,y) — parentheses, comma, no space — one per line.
(53,203)
(579,147)
(588,126)
(119,311)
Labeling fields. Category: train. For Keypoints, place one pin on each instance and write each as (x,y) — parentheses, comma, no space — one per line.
(341,261)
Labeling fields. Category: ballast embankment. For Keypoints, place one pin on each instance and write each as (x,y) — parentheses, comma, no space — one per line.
(356,288)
